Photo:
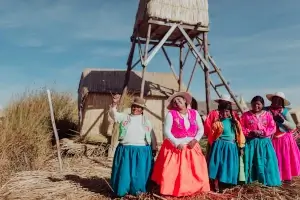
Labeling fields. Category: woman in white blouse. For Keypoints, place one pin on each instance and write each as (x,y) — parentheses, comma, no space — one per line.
(133,158)
(181,168)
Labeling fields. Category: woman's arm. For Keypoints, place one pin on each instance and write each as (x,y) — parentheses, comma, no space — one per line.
(289,122)
(167,129)
(115,115)
(200,127)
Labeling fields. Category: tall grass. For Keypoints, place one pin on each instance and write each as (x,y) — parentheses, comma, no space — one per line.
(26,131)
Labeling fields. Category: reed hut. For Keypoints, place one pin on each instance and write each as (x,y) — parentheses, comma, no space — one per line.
(94,98)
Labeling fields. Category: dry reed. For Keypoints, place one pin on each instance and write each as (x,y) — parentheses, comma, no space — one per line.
(26,132)
(190,12)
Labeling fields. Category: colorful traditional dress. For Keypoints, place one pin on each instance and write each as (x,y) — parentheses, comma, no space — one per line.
(181,172)
(212,117)
(224,164)
(260,158)
(286,149)
(133,158)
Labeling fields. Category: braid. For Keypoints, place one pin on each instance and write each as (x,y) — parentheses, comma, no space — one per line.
(234,122)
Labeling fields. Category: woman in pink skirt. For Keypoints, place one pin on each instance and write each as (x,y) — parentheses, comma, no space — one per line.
(284,144)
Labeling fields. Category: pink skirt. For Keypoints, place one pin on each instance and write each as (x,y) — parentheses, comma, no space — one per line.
(288,156)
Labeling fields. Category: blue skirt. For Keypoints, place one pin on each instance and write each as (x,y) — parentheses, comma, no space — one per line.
(131,169)
(224,162)
(261,162)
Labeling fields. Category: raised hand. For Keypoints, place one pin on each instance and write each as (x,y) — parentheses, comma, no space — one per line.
(116,99)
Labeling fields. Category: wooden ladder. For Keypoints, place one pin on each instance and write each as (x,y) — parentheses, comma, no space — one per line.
(216,70)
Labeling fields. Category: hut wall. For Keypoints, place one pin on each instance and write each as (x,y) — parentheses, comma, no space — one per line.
(189,12)
(95,119)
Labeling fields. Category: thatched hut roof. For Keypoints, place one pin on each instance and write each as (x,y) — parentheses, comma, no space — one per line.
(191,12)
(111,81)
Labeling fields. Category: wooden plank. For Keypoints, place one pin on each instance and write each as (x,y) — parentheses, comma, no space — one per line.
(192,74)
(145,65)
(156,42)
(55,131)
(170,63)
(191,27)
(225,83)
(139,60)
(161,43)
(180,68)
(194,47)
(206,73)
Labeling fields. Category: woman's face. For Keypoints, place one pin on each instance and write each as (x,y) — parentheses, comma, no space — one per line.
(136,110)
(257,106)
(277,102)
(179,102)
(225,113)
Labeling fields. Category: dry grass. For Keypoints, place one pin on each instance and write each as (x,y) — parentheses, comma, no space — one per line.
(26,131)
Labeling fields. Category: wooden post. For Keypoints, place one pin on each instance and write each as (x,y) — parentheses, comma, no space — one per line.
(145,58)
(55,131)
(115,137)
(206,73)
(180,68)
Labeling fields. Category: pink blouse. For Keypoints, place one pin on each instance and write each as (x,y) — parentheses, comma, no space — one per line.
(262,122)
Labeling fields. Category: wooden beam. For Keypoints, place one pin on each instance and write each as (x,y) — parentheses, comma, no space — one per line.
(143,63)
(161,43)
(196,28)
(156,42)
(194,47)
(180,68)
(170,63)
(192,74)
(206,73)
(139,60)
(225,83)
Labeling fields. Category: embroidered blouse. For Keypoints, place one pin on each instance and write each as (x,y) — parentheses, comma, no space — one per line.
(258,122)
(176,141)
(135,134)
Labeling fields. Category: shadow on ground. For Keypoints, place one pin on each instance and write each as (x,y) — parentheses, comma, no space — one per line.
(92,184)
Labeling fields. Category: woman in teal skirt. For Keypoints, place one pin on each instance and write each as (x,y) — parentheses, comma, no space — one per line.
(133,158)
(260,159)
(228,143)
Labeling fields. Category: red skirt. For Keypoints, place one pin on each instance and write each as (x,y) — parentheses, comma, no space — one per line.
(180,172)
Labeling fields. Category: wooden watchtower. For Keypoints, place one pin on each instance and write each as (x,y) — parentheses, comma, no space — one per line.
(182,24)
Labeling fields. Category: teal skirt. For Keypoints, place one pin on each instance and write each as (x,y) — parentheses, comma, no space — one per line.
(261,162)
(224,162)
(131,169)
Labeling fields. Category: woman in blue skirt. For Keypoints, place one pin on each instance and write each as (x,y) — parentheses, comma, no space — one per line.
(133,160)
(228,142)
(260,158)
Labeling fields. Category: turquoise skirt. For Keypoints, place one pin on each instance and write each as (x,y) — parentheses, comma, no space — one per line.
(131,169)
(224,162)
(261,162)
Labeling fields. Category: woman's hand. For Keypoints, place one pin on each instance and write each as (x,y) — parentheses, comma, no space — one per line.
(116,99)
(192,143)
(180,146)
(242,152)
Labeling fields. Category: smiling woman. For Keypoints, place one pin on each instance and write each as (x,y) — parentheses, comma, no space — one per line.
(180,151)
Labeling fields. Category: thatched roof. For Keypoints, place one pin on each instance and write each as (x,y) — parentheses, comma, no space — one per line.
(109,81)
(190,12)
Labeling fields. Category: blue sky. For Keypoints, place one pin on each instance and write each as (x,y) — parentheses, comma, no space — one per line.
(50,42)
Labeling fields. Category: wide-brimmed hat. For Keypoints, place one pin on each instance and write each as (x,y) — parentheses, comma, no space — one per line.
(139,102)
(278,94)
(225,97)
(187,96)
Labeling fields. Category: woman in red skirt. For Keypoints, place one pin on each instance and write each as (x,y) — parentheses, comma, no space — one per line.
(181,168)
